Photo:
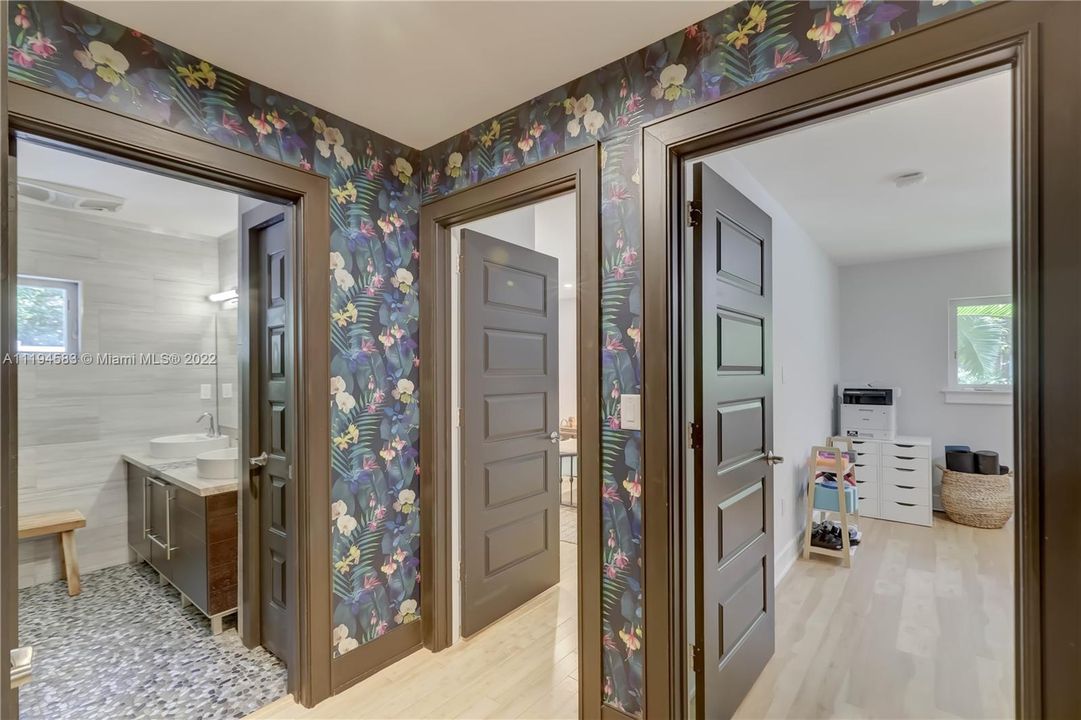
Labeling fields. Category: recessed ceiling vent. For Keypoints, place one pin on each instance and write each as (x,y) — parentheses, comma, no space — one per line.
(69,197)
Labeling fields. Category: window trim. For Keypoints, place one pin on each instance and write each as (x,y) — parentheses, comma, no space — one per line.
(974,394)
(73,313)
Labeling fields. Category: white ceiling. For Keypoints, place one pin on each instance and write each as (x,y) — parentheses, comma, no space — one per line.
(157,202)
(836,179)
(418,72)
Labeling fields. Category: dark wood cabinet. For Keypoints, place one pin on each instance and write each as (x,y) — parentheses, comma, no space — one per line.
(138,515)
(190,539)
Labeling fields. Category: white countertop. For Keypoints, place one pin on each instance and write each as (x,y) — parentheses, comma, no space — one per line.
(182,473)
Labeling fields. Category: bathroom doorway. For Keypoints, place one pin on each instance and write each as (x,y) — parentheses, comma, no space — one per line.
(131,372)
(179,288)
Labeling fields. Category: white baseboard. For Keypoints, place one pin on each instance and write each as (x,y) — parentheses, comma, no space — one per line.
(786,558)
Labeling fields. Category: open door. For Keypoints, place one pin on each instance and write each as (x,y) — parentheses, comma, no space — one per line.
(266,236)
(510,427)
(734,628)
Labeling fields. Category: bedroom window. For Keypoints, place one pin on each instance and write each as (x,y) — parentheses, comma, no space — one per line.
(981,344)
(47,315)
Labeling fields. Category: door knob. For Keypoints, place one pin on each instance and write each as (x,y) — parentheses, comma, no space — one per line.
(258,461)
(554,436)
(772,459)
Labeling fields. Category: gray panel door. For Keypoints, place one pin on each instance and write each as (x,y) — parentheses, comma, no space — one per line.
(510,428)
(274,420)
(733,409)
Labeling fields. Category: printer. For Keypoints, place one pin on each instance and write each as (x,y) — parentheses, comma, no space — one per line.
(868,411)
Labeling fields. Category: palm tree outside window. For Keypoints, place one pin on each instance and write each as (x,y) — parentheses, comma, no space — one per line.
(981,343)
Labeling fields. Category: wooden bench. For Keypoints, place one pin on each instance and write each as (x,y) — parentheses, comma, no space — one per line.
(63,523)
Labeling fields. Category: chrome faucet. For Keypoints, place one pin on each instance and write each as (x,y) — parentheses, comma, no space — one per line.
(213,431)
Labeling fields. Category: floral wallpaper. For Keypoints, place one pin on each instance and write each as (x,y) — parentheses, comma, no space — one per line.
(377,187)
(372,271)
(746,44)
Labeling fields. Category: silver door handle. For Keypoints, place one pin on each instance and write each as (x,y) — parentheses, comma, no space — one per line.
(554,436)
(772,459)
(258,461)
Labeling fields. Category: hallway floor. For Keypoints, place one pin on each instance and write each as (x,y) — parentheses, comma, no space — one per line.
(124,648)
(920,627)
(524,666)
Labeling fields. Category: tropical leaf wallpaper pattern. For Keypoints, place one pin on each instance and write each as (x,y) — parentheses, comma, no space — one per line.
(746,44)
(377,186)
(372,270)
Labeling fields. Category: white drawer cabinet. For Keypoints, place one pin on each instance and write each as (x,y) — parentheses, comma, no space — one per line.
(893,478)
(904,448)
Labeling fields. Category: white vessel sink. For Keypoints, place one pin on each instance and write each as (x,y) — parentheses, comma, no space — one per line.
(185,446)
(217,464)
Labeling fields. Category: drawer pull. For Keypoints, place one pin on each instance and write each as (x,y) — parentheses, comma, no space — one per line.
(905,457)
(905,504)
(903,445)
(904,469)
(907,487)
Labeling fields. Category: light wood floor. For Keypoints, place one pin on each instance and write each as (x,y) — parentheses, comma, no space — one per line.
(524,666)
(920,627)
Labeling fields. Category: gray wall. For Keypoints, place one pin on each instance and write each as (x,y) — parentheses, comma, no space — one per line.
(895,318)
(142,292)
(228,350)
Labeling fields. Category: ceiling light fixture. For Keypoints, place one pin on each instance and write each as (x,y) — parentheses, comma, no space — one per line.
(909,178)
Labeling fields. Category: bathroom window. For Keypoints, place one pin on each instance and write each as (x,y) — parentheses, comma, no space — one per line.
(47,315)
(981,343)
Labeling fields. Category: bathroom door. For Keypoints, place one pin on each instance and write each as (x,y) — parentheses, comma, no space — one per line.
(734,626)
(510,427)
(268,231)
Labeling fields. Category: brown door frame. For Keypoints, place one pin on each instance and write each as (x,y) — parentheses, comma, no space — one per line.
(1039,41)
(91,130)
(9,432)
(578,172)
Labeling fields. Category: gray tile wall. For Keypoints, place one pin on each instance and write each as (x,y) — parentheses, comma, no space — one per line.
(141,292)
(228,356)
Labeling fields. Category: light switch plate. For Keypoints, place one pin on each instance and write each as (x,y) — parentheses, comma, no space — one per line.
(630,412)
(206,391)
(227,390)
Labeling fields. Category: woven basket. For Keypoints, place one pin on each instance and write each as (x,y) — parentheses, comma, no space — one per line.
(983,501)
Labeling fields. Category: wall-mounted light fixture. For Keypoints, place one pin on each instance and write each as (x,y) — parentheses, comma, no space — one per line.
(223,296)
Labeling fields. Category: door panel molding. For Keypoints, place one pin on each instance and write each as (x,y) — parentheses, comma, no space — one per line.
(1038,40)
(89,130)
(577,171)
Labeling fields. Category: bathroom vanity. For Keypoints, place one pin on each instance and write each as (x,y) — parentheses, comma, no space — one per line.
(185,527)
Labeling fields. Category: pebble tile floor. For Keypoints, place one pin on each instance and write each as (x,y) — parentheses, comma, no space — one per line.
(125,649)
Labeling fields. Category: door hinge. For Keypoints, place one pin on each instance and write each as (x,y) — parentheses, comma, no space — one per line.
(694,213)
(461,417)
(694,436)
(461,572)
(696,658)
(458,263)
